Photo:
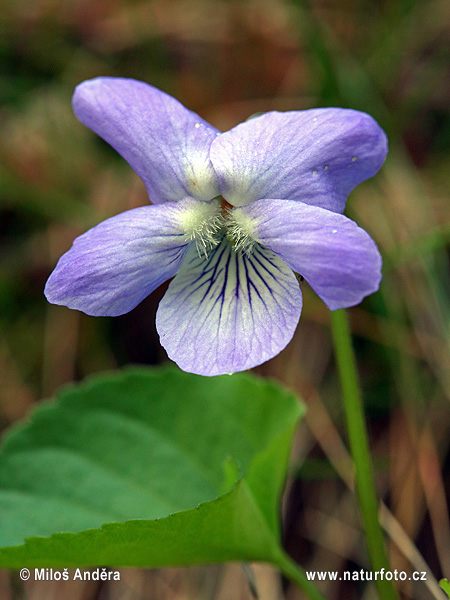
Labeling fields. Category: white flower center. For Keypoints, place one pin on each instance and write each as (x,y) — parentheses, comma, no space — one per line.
(207,223)
(240,231)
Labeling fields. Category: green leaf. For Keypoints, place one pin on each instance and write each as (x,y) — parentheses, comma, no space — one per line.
(445,585)
(148,467)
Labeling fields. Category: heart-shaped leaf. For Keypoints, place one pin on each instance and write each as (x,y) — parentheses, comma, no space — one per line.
(148,467)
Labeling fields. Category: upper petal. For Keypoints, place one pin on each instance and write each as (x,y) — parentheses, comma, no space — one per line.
(164,142)
(316,156)
(229,312)
(338,259)
(111,268)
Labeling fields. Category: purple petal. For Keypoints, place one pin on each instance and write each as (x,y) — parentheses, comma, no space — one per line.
(338,259)
(111,268)
(164,142)
(315,156)
(229,312)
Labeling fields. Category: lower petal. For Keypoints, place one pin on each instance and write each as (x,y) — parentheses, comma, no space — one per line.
(228,312)
(111,268)
(338,259)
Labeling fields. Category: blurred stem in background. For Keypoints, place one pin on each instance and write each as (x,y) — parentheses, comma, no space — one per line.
(359,447)
(296,574)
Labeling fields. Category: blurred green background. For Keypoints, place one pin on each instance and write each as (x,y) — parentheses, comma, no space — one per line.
(227,60)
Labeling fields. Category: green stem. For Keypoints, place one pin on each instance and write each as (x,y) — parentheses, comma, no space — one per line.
(298,576)
(359,447)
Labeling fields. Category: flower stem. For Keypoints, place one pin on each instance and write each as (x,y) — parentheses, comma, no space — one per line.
(359,447)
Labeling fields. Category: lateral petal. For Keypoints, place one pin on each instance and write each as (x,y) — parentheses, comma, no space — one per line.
(112,267)
(338,259)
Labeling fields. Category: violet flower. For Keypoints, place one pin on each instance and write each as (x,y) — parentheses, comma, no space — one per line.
(233,215)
